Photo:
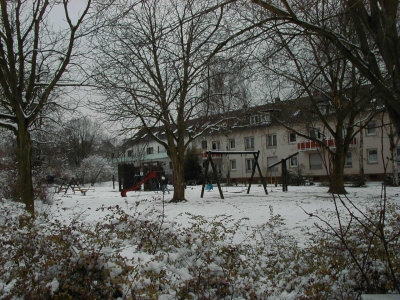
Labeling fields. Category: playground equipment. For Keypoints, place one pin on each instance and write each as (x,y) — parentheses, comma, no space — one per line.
(209,187)
(284,170)
(150,176)
(209,161)
(74,186)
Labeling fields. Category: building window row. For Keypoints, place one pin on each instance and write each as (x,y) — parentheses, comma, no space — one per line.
(315,161)
(272,142)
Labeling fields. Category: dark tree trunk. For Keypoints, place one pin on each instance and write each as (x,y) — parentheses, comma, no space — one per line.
(179,179)
(25,183)
(337,176)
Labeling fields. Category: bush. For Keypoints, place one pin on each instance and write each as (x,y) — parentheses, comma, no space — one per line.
(356,180)
(95,169)
(9,183)
(141,256)
(294,178)
(390,181)
(360,255)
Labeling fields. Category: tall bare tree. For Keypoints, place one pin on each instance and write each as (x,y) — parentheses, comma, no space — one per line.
(34,57)
(152,64)
(332,95)
(375,52)
(80,138)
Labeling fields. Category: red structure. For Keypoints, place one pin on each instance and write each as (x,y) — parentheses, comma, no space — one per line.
(149,176)
(312,145)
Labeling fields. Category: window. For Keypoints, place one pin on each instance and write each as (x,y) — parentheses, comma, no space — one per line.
(150,150)
(315,134)
(293,161)
(233,165)
(249,164)
(372,155)
(204,145)
(260,119)
(232,144)
(249,143)
(398,156)
(130,153)
(371,129)
(270,161)
(315,161)
(266,118)
(348,161)
(254,119)
(292,137)
(216,145)
(271,140)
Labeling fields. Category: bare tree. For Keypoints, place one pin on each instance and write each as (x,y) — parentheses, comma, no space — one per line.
(80,138)
(152,65)
(336,97)
(34,61)
(375,52)
(226,84)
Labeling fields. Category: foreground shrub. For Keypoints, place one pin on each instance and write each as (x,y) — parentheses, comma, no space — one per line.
(45,259)
(140,255)
(358,255)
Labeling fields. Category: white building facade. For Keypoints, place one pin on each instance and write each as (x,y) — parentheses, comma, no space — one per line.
(369,151)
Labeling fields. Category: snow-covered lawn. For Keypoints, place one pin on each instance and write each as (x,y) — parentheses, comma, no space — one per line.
(255,206)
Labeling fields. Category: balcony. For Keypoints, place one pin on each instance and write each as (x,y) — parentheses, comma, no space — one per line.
(214,156)
(312,146)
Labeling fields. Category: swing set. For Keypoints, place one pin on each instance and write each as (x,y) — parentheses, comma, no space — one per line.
(209,161)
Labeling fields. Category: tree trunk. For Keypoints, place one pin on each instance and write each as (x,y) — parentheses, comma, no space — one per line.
(179,179)
(337,176)
(361,156)
(394,167)
(25,183)
(393,156)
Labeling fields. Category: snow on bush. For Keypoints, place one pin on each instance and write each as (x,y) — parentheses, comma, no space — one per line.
(140,255)
(95,169)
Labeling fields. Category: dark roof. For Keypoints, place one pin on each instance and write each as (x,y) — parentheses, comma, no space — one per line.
(294,110)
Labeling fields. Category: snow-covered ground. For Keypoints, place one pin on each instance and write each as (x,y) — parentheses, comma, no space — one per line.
(255,206)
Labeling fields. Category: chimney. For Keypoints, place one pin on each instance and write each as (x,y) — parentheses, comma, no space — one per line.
(277,100)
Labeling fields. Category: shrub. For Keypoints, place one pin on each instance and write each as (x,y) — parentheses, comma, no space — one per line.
(359,255)
(9,185)
(356,180)
(140,255)
(95,169)
(295,178)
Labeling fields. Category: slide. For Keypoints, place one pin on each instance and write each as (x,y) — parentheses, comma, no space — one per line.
(149,176)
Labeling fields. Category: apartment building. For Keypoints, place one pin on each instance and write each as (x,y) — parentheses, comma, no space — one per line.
(255,129)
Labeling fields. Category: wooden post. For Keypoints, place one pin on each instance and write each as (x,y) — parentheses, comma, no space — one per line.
(284,170)
(205,174)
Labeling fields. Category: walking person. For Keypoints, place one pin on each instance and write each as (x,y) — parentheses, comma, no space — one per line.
(165,184)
